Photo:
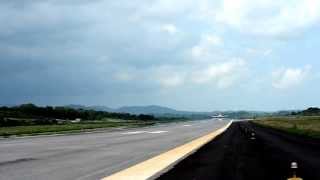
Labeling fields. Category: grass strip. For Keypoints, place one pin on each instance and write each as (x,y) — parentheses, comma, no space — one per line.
(301,125)
(63,128)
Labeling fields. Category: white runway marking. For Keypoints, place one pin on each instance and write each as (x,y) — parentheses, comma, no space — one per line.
(141,132)
(134,132)
(157,132)
(187,125)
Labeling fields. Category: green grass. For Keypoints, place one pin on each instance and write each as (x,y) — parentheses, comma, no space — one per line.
(301,125)
(65,128)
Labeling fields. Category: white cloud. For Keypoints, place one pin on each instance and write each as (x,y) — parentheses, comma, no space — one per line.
(269,17)
(212,40)
(169,28)
(263,52)
(173,81)
(167,76)
(205,47)
(290,77)
(124,76)
(167,7)
(267,52)
(223,74)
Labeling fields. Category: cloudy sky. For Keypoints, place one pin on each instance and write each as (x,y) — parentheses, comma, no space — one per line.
(185,54)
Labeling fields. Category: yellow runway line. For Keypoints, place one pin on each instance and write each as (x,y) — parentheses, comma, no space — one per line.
(152,168)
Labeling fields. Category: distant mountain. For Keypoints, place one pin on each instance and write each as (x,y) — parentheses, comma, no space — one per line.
(169,112)
(153,109)
(95,108)
(7,105)
(312,111)
(75,106)
(101,108)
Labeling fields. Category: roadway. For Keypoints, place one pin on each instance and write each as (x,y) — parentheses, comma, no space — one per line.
(93,155)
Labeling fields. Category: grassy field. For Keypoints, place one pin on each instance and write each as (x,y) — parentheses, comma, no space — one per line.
(302,125)
(67,128)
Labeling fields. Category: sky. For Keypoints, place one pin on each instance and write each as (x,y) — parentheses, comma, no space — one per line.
(199,55)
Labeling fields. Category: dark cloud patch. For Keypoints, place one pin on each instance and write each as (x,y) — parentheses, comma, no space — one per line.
(57,52)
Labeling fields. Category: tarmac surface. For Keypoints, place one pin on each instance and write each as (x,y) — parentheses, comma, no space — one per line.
(93,155)
(238,155)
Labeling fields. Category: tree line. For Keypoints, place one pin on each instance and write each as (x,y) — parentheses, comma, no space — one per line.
(50,115)
(312,111)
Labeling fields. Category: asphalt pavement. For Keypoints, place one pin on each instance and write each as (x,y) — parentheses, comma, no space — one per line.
(250,152)
(93,155)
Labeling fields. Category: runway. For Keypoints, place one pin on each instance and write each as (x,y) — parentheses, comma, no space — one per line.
(94,155)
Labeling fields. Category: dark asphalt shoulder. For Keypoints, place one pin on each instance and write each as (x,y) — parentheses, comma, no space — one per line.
(237,154)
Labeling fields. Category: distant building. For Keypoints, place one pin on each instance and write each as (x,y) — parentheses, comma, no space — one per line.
(61,121)
(77,120)
(218,116)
